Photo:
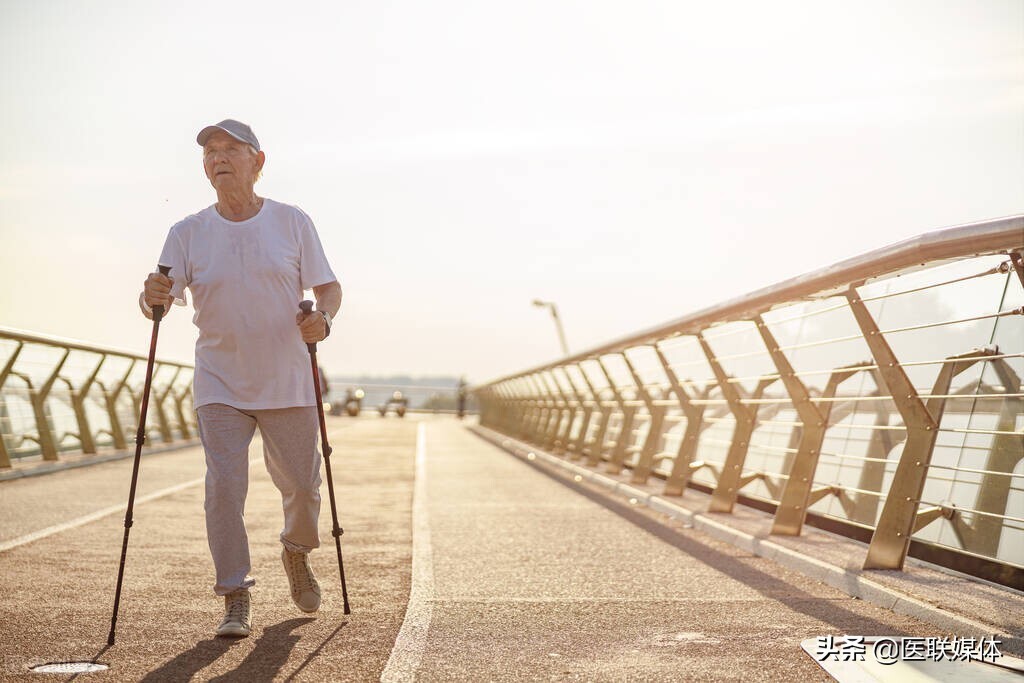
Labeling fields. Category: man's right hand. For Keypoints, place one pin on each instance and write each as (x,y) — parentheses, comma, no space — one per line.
(157,291)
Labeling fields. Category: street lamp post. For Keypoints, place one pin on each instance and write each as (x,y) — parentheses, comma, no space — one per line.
(558,321)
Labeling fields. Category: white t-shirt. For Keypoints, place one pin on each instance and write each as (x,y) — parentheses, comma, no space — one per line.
(247,279)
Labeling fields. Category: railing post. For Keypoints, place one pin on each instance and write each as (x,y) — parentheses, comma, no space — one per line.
(557,413)
(561,442)
(574,449)
(682,464)
(83,424)
(549,410)
(5,456)
(505,407)
(162,417)
(510,421)
(645,462)
(501,407)
(78,397)
(183,423)
(792,510)
(618,455)
(528,408)
(593,456)
(541,411)
(110,399)
(5,421)
(730,480)
(47,440)
(596,453)
(797,494)
(897,524)
(481,401)
(492,405)
(1018,265)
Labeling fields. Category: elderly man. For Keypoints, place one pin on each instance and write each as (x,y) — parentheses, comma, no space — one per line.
(247,260)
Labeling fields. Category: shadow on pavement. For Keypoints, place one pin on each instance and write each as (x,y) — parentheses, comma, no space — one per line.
(268,655)
(314,653)
(187,664)
(736,568)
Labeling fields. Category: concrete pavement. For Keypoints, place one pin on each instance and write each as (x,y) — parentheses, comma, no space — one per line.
(532,581)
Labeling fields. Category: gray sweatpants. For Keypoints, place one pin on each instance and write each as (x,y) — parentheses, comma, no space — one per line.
(290,453)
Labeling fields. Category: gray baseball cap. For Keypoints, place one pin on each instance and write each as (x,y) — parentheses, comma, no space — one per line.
(235,129)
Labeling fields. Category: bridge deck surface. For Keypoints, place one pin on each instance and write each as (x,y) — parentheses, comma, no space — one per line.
(517,577)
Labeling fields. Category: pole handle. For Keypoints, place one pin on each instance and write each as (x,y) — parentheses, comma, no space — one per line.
(307,307)
(158,311)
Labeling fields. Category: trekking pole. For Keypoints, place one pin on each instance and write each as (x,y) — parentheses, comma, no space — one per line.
(307,307)
(140,438)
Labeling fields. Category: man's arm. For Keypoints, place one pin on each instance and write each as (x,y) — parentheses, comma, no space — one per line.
(328,297)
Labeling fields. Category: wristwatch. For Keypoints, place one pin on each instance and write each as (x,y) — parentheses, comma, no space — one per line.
(327,322)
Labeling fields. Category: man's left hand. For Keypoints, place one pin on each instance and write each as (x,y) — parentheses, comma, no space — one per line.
(312,327)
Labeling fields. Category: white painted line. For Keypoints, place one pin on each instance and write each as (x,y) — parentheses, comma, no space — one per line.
(92,517)
(100,514)
(412,638)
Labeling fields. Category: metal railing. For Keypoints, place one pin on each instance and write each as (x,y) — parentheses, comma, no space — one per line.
(58,395)
(876,397)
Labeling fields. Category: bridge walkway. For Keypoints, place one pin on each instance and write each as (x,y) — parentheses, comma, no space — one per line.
(514,574)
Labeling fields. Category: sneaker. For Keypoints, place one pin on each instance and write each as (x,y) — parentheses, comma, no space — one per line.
(237,615)
(304,586)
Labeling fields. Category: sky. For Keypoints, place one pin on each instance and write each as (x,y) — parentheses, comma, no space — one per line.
(630,161)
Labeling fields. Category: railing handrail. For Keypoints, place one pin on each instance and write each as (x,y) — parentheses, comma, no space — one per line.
(982,238)
(78,345)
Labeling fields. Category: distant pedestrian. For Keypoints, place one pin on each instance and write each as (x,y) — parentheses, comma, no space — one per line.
(462,390)
(247,260)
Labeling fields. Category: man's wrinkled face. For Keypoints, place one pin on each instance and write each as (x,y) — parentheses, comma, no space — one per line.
(229,163)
